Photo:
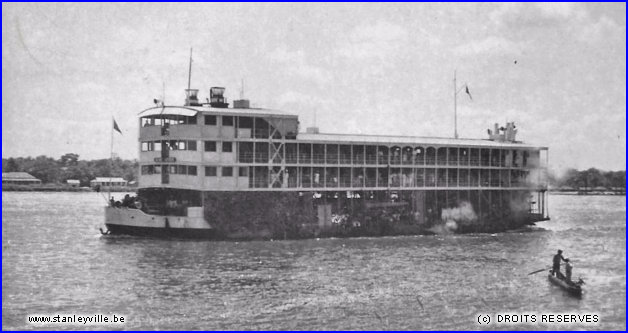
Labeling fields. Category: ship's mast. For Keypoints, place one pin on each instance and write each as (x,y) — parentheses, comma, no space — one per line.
(113,123)
(242,88)
(190,71)
(163,93)
(455,107)
(456,92)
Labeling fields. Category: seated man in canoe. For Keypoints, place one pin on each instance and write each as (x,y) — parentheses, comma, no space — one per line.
(568,269)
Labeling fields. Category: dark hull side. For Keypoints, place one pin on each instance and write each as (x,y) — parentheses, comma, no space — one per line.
(117,229)
(282,215)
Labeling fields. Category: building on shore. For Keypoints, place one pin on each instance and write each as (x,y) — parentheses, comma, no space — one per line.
(73,182)
(107,181)
(19,178)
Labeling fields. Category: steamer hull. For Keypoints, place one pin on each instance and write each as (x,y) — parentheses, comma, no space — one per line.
(242,215)
(211,171)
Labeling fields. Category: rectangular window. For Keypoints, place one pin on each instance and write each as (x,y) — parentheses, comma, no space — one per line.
(192,145)
(227,121)
(173,170)
(210,145)
(210,120)
(227,171)
(182,169)
(191,120)
(146,146)
(210,171)
(226,147)
(182,145)
(157,169)
(157,145)
(172,145)
(243,171)
(145,169)
(192,170)
(245,122)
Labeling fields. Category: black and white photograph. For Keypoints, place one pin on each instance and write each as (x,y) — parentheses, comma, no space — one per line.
(314,166)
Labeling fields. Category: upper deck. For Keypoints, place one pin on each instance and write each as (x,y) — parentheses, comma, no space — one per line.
(258,123)
(205,147)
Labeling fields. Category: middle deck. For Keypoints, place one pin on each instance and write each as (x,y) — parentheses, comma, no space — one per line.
(219,149)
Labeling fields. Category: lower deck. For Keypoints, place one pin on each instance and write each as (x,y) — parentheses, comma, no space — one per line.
(293,213)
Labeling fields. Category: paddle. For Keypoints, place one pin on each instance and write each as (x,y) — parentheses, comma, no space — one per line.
(540,270)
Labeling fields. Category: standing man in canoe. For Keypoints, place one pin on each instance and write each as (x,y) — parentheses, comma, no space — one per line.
(556,266)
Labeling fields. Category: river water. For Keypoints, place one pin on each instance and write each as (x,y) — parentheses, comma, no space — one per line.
(54,261)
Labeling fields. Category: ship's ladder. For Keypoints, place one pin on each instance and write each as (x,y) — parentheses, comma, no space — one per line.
(277,174)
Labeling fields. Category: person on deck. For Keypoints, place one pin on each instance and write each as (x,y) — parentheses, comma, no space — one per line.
(556,267)
(568,268)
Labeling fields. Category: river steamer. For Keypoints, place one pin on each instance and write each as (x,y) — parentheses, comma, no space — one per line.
(208,170)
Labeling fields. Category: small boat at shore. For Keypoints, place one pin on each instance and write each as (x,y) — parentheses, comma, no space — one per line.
(574,288)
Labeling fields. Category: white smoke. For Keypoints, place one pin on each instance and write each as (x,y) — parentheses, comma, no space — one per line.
(535,178)
(451,225)
(452,217)
(519,205)
(464,214)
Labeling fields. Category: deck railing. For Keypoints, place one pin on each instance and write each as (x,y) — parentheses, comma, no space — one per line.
(369,160)
(391,181)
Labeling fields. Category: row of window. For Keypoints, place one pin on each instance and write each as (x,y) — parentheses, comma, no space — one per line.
(212,171)
(334,173)
(252,127)
(210,146)
(169,145)
(436,157)
(227,147)
(171,169)
(213,120)
(191,170)
(166,120)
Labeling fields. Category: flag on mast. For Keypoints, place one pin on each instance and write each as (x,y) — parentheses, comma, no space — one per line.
(115,126)
(466,89)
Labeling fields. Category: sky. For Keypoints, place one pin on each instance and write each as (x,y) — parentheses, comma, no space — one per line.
(558,70)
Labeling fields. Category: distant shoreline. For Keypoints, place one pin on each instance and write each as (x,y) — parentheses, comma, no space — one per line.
(61,188)
(587,193)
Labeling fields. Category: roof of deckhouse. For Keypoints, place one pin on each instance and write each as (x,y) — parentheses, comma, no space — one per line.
(331,138)
(192,110)
(410,140)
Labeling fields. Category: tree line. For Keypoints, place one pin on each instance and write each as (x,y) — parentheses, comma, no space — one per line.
(590,178)
(69,166)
